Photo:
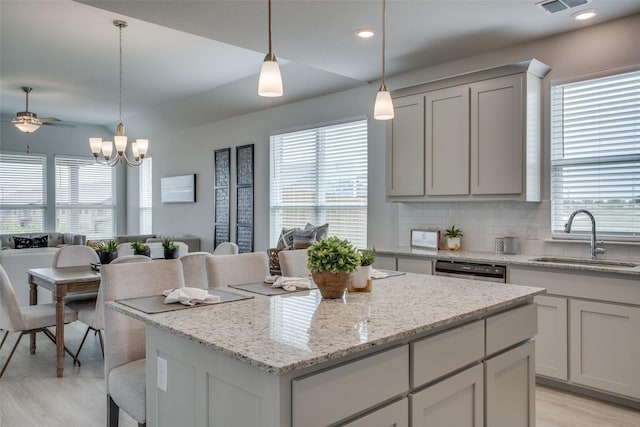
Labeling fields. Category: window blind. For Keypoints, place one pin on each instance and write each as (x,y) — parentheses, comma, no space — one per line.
(85,198)
(23,196)
(146,196)
(595,155)
(320,176)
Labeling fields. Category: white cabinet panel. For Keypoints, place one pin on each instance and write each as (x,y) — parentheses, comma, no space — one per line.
(605,346)
(551,340)
(414,265)
(405,149)
(510,388)
(385,262)
(394,415)
(447,141)
(456,401)
(510,327)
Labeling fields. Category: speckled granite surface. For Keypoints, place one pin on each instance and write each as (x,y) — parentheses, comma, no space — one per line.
(491,257)
(283,333)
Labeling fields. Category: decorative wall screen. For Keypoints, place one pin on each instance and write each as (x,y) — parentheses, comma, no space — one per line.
(244,198)
(222,171)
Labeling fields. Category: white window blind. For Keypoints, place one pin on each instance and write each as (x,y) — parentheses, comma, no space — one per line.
(23,196)
(320,176)
(595,155)
(85,198)
(146,196)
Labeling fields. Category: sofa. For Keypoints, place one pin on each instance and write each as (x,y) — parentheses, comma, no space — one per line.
(192,242)
(16,262)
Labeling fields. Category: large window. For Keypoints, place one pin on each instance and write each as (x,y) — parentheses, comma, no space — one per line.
(320,176)
(146,196)
(595,155)
(85,198)
(23,197)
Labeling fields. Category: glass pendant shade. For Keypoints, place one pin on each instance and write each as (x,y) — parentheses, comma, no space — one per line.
(121,143)
(383,108)
(107,149)
(142,146)
(26,127)
(96,145)
(270,81)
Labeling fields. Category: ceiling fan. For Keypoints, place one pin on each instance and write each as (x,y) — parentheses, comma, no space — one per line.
(28,122)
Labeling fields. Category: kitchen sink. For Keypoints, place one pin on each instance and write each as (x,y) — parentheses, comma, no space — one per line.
(581,261)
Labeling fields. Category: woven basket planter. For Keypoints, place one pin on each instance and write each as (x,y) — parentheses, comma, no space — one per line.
(331,285)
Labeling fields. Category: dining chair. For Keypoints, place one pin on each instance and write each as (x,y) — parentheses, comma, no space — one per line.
(74,256)
(225,270)
(226,248)
(26,320)
(124,337)
(293,263)
(194,266)
(91,313)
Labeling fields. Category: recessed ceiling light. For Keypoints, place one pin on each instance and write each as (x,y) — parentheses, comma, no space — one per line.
(583,15)
(365,33)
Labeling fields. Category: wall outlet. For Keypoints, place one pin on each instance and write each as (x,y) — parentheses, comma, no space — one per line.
(162,374)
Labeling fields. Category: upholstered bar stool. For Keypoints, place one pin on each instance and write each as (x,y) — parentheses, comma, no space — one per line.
(225,270)
(293,263)
(194,266)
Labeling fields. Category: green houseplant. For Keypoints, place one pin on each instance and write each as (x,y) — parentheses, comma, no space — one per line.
(452,236)
(140,248)
(361,279)
(331,262)
(171,249)
(107,251)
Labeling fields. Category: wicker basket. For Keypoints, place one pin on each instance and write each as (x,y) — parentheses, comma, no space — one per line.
(331,285)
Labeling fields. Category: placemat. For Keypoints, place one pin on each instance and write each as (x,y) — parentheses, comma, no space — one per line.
(390,273)
(266,289)
(155,303)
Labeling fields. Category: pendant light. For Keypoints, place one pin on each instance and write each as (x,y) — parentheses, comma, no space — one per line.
(138,148)
(383,108)
(270,81)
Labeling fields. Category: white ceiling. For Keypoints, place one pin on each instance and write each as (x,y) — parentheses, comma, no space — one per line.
(210,52)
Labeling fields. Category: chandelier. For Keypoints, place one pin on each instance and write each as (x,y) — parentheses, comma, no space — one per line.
(138,147)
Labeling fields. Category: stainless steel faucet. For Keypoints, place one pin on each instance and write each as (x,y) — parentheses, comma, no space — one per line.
(595,249)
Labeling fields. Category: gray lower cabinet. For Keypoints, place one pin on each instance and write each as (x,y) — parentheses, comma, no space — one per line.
(385,262)
(414,265)
(393,415)
(457,401)
(551,341)
(605,346)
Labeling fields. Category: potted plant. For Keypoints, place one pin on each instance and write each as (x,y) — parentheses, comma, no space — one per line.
(107,251)
(331,262)
(170,249)
(140,248)
(360,280)
(452,235)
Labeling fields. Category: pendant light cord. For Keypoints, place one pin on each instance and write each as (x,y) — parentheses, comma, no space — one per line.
(270,29)
(120,107)
(384,33)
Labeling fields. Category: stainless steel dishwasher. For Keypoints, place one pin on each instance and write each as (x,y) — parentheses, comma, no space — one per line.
(472,270)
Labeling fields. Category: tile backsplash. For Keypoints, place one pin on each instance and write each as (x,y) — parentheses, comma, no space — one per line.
(482,222)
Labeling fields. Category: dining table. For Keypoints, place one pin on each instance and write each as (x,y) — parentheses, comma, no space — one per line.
(60,281)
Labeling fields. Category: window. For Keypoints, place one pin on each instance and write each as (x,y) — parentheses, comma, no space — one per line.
(595,155)
(146,196)
(23,197)
(320,176)
(85,198)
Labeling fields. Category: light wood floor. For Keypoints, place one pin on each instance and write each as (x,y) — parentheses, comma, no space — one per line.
(31,395)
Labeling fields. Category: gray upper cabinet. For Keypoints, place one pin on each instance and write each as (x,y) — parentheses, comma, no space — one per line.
(479,135)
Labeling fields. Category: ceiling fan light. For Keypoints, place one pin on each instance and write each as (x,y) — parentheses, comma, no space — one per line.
(383,108)
(270,81)
(96,145)
(26,127)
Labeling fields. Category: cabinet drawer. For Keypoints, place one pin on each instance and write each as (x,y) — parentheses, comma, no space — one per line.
(440,354)
(394,415)
(329,396)
(511,327)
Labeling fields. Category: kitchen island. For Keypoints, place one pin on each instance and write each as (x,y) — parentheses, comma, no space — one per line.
(417,347)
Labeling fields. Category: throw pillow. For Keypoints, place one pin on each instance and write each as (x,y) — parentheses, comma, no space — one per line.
(322,231)
(286,238)
(302,239)
(22,242)
(40,241)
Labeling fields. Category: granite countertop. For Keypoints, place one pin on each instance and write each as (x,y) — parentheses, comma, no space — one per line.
(490,257)
(280,334)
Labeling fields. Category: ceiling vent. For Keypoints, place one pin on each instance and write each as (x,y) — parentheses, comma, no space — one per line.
(554,6)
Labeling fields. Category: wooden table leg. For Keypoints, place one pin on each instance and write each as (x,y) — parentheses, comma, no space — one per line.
(33,300)
(60,332)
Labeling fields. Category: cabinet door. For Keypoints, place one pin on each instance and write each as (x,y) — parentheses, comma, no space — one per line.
(447,141)
(605,346)
(394,415)
(551,340)
(405,148)
(385,262)
(510,388)
(456,401)
(497,136)
(414,265)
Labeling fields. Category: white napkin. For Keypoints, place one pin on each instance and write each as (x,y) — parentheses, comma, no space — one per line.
(291,283)
(377,274)
(189,296)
